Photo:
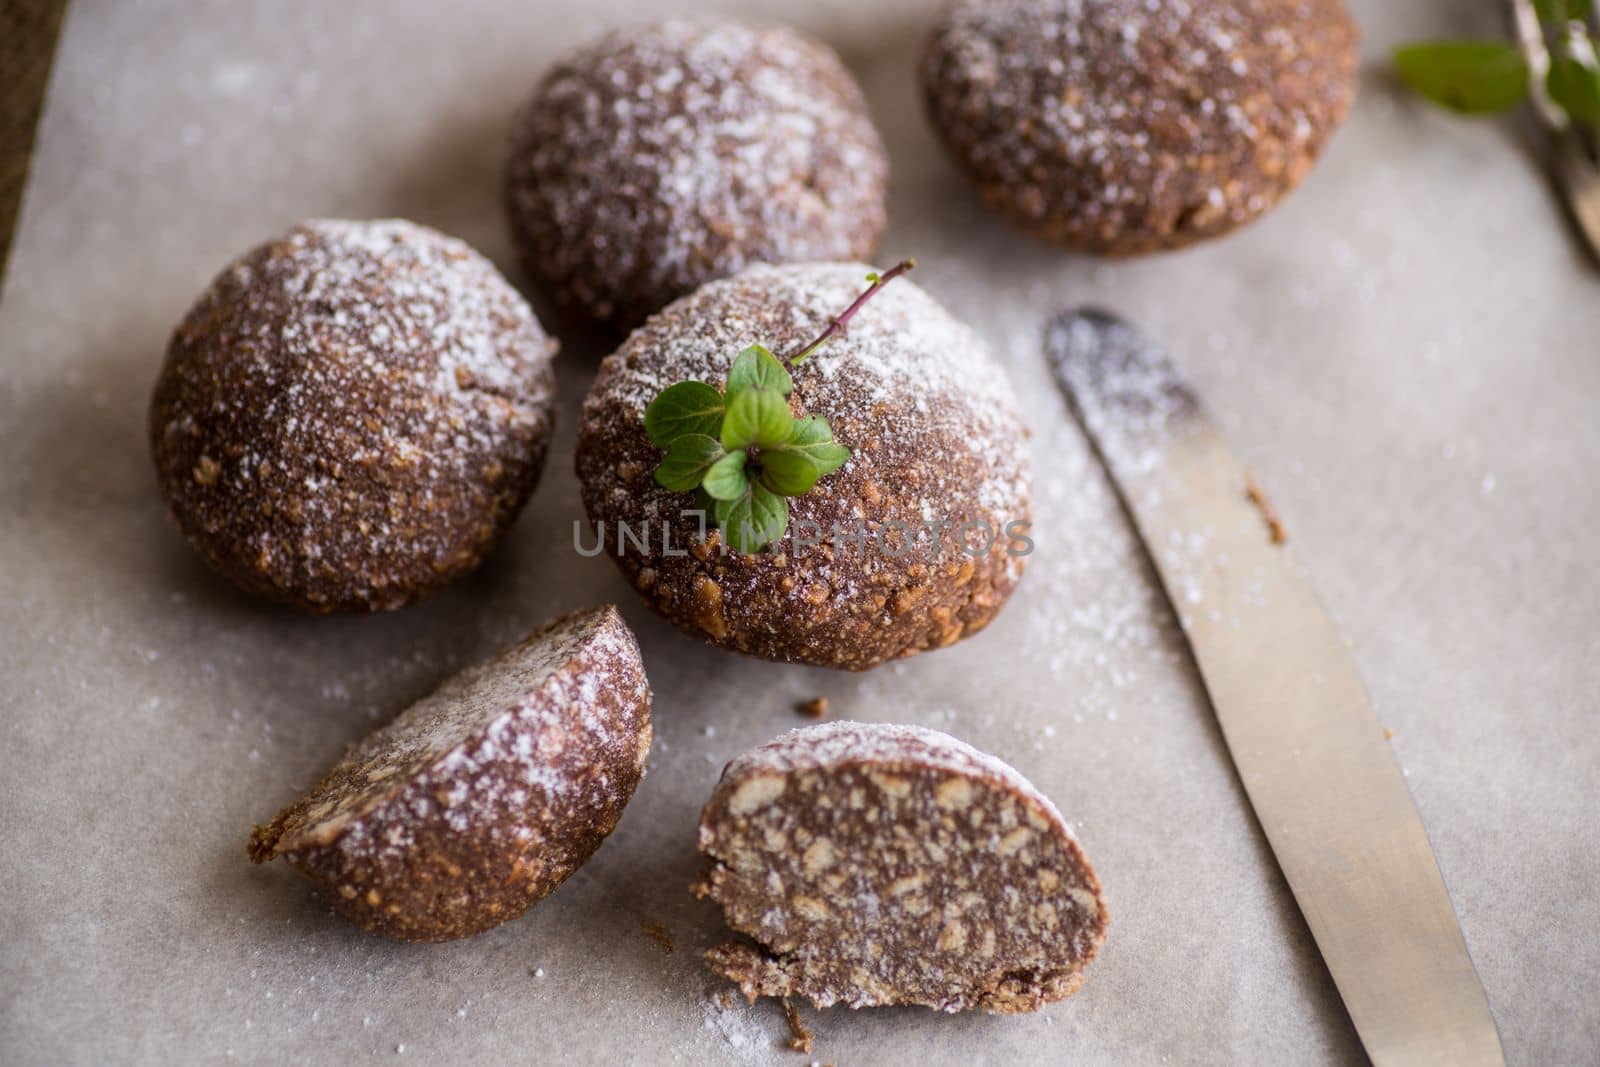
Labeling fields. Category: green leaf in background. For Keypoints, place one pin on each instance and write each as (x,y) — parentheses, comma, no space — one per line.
(756,417)
(757,368)
(753,521)
(685,408)
(1576,87)
(726,479)
(1561,11)
(687,462)
(1471,77)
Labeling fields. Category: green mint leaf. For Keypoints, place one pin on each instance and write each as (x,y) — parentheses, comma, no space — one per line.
(814,438)
(810,431)
(1471,77)
(1576,87)
(756,417)
(685,408)
(793,467)
(828,456)
(754,520)
(788,473)
(726,480)
(687,462)
(757,368)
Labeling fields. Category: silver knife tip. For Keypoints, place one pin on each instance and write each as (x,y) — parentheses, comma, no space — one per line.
(1118,381)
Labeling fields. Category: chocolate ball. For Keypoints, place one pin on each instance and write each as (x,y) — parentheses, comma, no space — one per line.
(1118,126)
(352,415)
(911,545)
(663,156)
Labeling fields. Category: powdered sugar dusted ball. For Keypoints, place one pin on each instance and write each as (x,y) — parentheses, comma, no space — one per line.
(913,544)
(871,864)
(1119,126)
(352,415)
(480,799)
(666,155)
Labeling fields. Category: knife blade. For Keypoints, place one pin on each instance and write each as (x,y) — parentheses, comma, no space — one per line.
(1322,779)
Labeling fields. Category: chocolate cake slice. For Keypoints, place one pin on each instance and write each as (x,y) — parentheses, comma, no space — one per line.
(483,797)
(874,864)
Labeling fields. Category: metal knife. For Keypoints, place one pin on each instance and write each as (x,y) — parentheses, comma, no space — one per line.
(1313,759)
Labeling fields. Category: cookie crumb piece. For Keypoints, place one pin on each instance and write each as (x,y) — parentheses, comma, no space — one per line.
(1269,514)
(815,708)
(660,935)
(800,1039)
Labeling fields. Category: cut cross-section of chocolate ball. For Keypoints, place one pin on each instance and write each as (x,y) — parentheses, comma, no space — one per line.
(871,864)
(483,797)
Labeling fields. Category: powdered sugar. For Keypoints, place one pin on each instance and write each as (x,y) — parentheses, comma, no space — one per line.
(352,412)
(1122,386)
(736,1023)
(390,298)
(499,734)
(903,364)
(938,451)
(1123,124)
(666,155)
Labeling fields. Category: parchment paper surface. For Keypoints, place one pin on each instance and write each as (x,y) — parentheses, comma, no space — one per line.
(1405,352)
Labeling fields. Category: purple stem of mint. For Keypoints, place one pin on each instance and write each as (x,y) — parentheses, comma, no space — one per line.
(837,326)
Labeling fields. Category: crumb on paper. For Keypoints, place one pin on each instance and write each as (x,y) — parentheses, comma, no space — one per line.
(660,935)
(815,708)
(800,1039)
(1269,514)
(1388,734)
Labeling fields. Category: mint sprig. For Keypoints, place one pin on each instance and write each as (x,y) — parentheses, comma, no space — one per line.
(740,447)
